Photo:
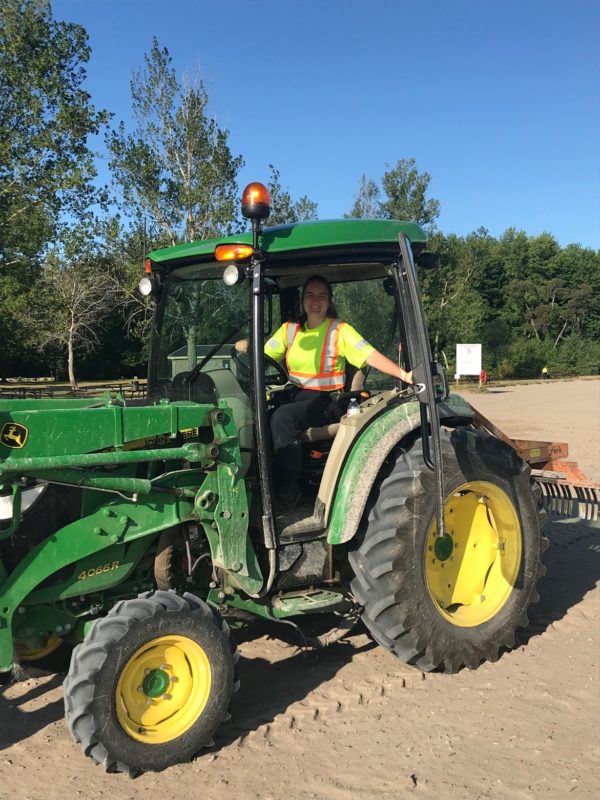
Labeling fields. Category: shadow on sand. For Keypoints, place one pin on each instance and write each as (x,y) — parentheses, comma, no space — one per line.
(269,688)
(18,724)
(572,561)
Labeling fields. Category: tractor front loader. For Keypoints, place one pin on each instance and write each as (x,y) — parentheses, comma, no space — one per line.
(136,530)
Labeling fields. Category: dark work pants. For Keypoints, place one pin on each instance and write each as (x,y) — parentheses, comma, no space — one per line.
(308,408)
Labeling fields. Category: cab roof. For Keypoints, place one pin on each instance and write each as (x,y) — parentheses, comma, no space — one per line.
(326,241)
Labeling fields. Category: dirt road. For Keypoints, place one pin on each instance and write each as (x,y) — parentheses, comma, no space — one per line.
(352,722)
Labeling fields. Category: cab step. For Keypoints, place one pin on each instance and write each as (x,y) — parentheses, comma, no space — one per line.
(312,601)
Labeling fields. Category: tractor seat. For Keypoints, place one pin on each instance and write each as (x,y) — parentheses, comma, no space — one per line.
(321,433)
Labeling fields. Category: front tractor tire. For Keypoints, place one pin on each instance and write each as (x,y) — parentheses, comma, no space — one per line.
(444,603)
(151,683)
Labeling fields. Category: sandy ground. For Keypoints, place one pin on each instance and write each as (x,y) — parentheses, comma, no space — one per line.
(352,722)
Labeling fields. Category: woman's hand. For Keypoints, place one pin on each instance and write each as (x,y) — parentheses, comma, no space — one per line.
(242,345)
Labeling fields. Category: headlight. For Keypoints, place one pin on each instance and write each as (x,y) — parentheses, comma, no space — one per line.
(146,286)
(232,274)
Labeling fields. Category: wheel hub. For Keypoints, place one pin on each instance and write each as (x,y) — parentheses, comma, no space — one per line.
(444,546)
(163,688)
(472,569)
(156,683)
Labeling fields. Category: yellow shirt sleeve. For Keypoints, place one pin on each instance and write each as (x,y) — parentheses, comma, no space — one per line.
(276,346)
(353,347)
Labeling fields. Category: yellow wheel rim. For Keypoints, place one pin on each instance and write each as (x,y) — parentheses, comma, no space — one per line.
(26,653)
(163,689)
(471,571)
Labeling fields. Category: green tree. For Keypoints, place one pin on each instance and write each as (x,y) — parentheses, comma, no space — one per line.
(283,208)
(46,166)
(46,117)
(404,190)
(176,170)
(76,294)
(367,201)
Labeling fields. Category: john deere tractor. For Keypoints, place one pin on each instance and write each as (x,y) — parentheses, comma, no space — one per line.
(136,529)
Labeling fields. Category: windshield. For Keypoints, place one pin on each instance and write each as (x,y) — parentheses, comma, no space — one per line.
(202,312)
(368,308)
(199,313)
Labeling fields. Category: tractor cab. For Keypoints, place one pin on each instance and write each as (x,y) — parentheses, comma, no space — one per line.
(239,289)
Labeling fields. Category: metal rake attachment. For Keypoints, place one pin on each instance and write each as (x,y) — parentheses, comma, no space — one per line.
(562,498)
(566,491)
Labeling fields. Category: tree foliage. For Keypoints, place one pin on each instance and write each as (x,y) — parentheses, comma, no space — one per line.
(176,169)
(283,208)
(68,280)
(46,117)
(74,298)
(46,166)
(404,192)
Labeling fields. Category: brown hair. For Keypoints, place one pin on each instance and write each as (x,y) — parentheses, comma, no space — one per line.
(331,309)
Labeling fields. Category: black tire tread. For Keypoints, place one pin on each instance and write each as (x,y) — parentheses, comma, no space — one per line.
(392,615)
(89,657)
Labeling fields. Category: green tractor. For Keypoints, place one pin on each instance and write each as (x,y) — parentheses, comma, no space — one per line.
(136,529)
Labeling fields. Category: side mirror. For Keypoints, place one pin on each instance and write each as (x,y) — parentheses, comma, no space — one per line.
(428,260)
(389,286)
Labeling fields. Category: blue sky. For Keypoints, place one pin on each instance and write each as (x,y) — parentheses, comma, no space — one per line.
(499,100)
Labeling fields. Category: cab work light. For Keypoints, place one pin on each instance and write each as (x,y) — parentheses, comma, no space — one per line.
(233,275)
(146,287)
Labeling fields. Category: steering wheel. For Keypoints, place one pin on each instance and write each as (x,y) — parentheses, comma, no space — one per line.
(243,364)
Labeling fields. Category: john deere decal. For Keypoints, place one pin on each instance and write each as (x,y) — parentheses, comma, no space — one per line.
(14,435)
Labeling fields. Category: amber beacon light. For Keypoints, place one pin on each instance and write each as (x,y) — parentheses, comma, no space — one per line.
(256,203)
(232,252)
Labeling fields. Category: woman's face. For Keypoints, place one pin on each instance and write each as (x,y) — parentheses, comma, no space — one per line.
(316,299)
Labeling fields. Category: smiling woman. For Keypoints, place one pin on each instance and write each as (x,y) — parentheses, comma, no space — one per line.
(316,349)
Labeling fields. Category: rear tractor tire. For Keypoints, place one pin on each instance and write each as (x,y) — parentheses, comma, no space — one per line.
(151,683)
(444,603)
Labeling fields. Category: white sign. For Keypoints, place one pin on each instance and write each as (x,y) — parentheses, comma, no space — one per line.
(468,359)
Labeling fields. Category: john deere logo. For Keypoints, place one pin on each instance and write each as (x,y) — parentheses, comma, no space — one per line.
(14,435)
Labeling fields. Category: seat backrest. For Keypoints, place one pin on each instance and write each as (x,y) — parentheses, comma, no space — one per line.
(355,378)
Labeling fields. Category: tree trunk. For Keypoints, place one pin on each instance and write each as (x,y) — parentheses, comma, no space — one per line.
(71,362)
(191,347)
(537,336)
(558,338)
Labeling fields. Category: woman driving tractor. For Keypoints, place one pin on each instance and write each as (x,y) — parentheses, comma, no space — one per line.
(315,349)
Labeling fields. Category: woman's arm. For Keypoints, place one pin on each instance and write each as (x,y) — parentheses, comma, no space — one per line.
(384,364)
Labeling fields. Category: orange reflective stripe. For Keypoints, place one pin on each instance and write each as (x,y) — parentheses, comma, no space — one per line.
(319,384)
(331,346)
(291,330)
(325,346)
(315,374)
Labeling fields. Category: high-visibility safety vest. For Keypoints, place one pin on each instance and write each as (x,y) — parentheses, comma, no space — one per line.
(328,379)
(338,341)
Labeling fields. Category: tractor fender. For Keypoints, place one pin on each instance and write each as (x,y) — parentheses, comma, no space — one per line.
(366,456)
